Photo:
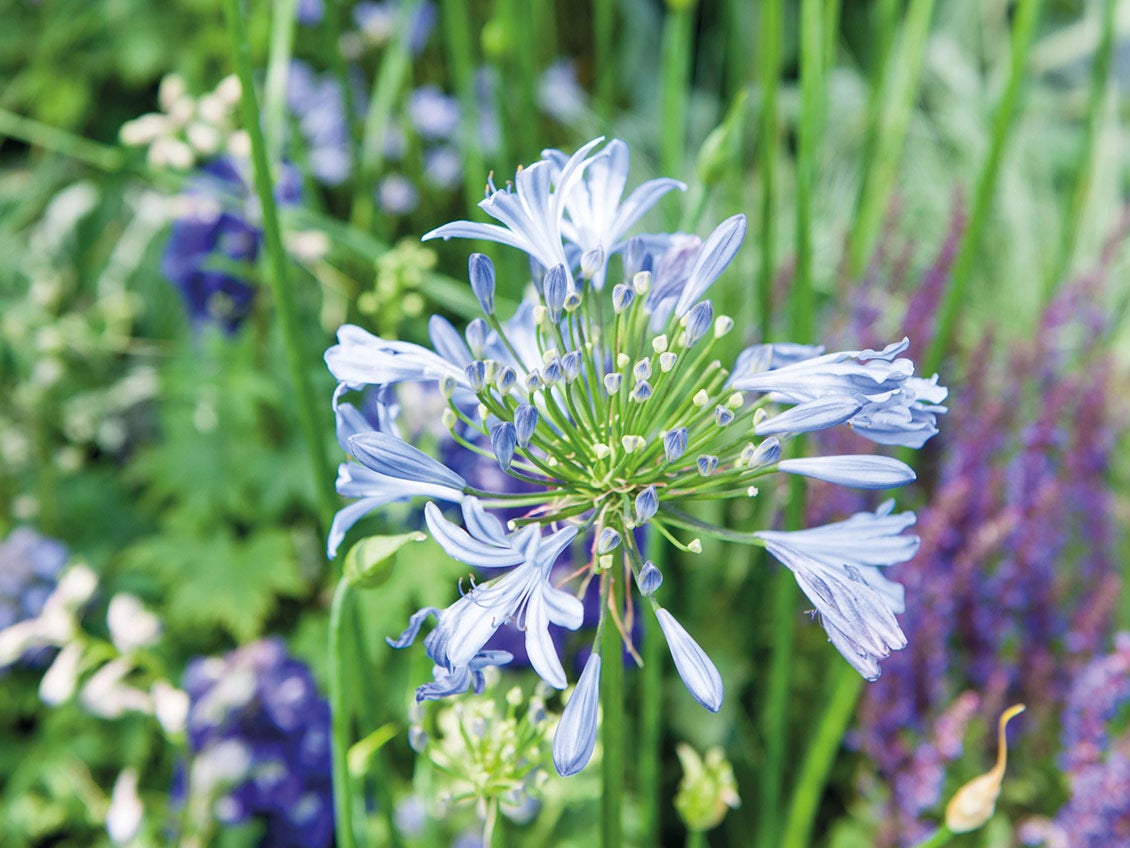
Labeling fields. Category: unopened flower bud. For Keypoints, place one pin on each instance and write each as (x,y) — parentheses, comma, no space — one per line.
(481,272)
(591,262)
(622,297)
(641,282)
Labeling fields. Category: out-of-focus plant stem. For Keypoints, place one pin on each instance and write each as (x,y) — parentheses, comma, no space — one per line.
(890,106)
(277,264)
(1024,24)
(812,64)
(389,82)
(340,717)
(941,837)
(331,23)
(768,148)
(821,753)
(47,137)
(604,19)
(278,65)
(651,706)
(1100,78)
(457,34)
(520,84)
(612,725)
(674,87)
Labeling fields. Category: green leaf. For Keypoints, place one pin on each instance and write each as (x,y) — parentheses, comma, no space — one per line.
(369,563)
(219,580)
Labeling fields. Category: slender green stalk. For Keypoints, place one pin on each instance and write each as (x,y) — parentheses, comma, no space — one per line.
(696,839)
(458,37)
(941,837)
(520,85)
(37,134)
(603,20)
(831,33)
(612,728)
(389,82)
(808,138)
(277,276)
(1024,25)
(654,652)
(784,588)
(892,102)
(821,753)
(772,13)
(340,718)
(331,28)
(674,87)
(880,81)
(278,65)
(1100,78)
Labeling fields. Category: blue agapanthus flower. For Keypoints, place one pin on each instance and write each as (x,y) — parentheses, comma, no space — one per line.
(216,240)
(613,412)
(30,565)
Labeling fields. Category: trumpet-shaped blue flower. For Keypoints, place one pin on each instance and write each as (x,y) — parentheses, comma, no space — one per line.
(523,595)
(611,415)
(838,568)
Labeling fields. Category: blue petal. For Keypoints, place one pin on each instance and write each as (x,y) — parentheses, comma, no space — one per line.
(675,443)
(818,414)
(502,442)
(460,545)
(481,271)
(647,504)
(716,253)
(389,455)
(861,472)
(650,578)
(698,321)
(575,738)
(447,341)
(414,624)
(525,422)
(695,668)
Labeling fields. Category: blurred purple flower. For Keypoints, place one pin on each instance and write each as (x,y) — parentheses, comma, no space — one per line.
(434,115)
(259,742)
(29,569)
(396,195)
(217,234)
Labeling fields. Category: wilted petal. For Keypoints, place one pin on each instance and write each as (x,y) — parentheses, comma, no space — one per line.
(575,738)
(695,668)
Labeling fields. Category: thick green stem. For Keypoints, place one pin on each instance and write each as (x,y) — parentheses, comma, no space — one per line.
(520,84)
(340,718)
(612,726)
(696,839)
(674,88)
(825,744)
(277,277)
(1100,78)
(654,652)
(771,32)
(1024,25)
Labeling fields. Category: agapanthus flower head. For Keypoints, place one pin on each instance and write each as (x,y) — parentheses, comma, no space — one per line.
(259,745)
(615,413)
